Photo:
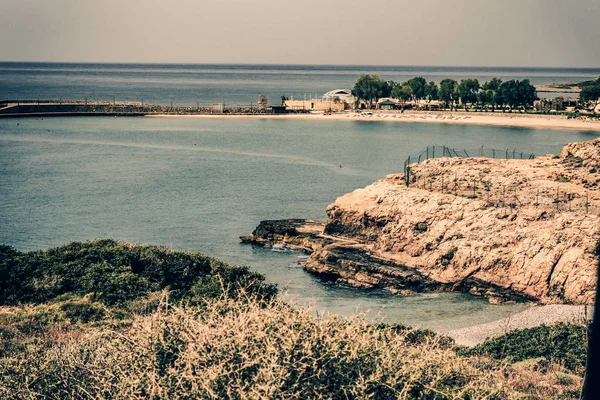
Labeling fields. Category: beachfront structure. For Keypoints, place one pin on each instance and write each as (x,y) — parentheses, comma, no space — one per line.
(557,104)
(388,105)
(217,108)
(341,95)
(335,100)
(316,105)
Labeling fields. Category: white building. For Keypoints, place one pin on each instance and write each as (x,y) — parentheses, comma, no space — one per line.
(341,94)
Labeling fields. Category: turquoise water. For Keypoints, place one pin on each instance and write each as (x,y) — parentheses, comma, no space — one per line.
(198,184)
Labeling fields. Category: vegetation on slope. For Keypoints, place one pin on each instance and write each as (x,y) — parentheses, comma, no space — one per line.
(113,320)
(114,273)
(238,348)
(561,343)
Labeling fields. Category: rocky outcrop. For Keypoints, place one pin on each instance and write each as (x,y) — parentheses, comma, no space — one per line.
(505,229)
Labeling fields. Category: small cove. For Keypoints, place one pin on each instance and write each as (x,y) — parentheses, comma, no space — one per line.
(199,184)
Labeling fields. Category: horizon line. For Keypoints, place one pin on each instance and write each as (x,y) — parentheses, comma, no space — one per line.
(295,64)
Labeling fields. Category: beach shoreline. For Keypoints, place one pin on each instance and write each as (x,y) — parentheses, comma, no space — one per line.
(456,118)
(532,317)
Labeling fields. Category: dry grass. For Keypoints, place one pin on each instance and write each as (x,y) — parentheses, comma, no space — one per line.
(243,349)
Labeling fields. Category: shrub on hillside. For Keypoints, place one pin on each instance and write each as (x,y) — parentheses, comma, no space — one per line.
(114,273)
(561,343)
(243,348)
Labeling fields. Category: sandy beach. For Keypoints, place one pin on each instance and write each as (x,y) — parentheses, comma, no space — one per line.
(529,318)
(460,118)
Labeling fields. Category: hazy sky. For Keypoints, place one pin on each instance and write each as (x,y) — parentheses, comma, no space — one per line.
(373,32)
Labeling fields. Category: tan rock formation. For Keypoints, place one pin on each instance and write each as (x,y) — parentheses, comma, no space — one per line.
(529,226)
(505,229)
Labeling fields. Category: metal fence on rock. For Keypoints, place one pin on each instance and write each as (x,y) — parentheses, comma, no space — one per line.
(510,192)
(437,151)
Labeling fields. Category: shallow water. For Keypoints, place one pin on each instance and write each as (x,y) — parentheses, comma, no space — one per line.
(198,184)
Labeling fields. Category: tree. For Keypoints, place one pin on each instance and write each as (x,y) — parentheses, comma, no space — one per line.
(467,91)
(485,97)
(491,89)
(370,88)
(492,84)
(508,93)
(417,86)
(403,92)
(431,91)
(590,94)
(447,92)
(517,93)
(526,94)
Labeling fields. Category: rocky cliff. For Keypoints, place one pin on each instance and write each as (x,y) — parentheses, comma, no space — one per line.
(505,229)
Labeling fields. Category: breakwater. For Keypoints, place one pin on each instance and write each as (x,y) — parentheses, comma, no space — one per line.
(35,108)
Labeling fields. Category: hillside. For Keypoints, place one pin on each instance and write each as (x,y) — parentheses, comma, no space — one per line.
(114,320)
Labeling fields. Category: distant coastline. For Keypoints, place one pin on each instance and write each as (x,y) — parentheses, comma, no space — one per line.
(543,121)
(515,119)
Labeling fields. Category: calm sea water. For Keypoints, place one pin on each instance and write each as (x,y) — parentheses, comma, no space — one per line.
(230,84)
(198,184)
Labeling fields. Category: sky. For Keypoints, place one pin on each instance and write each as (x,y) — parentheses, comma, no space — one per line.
(529,33)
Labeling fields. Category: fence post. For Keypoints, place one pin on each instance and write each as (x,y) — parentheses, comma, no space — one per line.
(433,151)
(481,152)
(493,153)
(419,161)
(587,203)
(427,150)
(521,155)
(507,154)
(514,151)
(455,185)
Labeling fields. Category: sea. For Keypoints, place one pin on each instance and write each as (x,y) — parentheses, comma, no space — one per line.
(199,184)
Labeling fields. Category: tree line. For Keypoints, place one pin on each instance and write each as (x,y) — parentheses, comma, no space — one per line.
(469,93)
(590,93)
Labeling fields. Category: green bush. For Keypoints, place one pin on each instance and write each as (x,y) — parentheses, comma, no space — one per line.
(82,311)
(561,343)
(114,273)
